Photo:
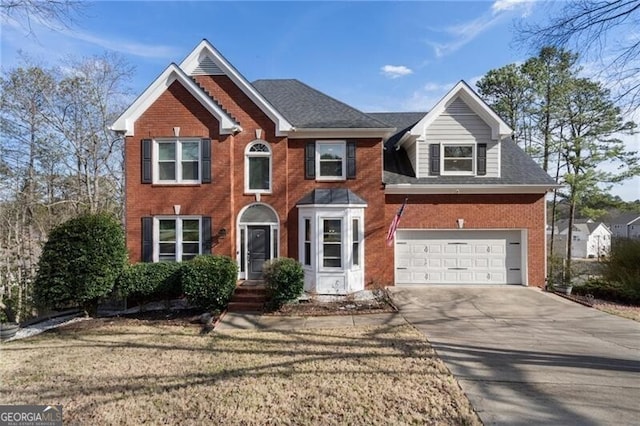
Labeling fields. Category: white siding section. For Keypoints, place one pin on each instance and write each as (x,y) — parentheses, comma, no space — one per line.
(412,153)
(458,123)
(207,67)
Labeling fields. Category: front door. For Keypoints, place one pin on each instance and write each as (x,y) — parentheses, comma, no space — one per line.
(257,250)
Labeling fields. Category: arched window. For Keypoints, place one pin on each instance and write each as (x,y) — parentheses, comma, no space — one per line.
(257,167)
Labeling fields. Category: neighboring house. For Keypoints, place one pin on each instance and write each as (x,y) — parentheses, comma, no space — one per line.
(589,239)
(274,168)
(626,226)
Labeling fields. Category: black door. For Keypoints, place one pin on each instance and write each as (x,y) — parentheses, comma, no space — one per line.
(257,250)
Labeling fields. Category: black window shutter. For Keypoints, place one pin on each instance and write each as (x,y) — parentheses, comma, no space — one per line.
(147,239)
(146,161)
(482,159)
(434,159)
(205,154)
(310,161)
(351,159)
(206,234)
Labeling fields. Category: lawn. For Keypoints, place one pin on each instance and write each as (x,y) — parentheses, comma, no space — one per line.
(131,371)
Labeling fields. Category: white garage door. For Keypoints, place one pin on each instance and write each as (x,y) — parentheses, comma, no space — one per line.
(458,257)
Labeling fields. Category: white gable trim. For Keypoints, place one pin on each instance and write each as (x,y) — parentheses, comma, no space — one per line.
(125,123)
(499,128)
(407,188)
(206,50)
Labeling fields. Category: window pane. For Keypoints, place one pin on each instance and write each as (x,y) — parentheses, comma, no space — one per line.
(332,230)
(167,230)
(167,250)
(330,168)
(275,243)
(458,151)
(189,170)
(190,249)
(259,147)
(166,151)
(332,250)
(332,263)
(356,243)
(259,173)
(331,151)
(167,171)
(190,151)
(190,230)
(458,165)
(307,230)
(242,250)
(307,253)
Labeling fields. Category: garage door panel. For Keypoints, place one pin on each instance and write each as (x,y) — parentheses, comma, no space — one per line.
(463,257)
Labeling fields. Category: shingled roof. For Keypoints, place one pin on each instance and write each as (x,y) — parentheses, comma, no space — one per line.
(517,168)
(306,107)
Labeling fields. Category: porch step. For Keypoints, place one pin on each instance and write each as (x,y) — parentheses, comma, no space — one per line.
(249,296)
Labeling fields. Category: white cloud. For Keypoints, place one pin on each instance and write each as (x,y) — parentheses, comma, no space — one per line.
(395,71)
(508,5)
(465,32)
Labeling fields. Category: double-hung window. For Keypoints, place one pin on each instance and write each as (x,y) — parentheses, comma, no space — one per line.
(331,160)
(177,238)
(258,167)
(457,159)
(178,161)
(332,243)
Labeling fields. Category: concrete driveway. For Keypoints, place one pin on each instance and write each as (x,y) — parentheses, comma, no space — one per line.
(525,357)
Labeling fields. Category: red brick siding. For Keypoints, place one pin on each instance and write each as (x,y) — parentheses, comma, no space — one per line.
(367,185)
(486,211)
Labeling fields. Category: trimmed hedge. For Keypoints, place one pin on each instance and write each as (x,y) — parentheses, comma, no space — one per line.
(284,279)
(614,292)
(209,281)
(80,262)
(150,281)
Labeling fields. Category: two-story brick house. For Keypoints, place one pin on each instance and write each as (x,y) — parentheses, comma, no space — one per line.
(214,163)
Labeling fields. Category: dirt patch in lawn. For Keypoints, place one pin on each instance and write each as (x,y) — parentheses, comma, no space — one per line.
(147,372)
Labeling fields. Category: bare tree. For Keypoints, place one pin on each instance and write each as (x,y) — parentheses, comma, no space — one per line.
(48,12)
(603,29)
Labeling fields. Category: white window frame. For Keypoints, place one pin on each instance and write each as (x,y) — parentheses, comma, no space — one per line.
(322,243)
(178,219)
(474,150)
(178,143)
(247,155)
(343,145)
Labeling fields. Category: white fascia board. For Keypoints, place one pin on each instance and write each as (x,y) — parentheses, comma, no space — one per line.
(407,188)
(206,49)
(405,138)
(319,133)
(331,206)
(125,123)
(498,127)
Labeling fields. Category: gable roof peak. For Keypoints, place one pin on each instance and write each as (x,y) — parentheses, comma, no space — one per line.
(462,90)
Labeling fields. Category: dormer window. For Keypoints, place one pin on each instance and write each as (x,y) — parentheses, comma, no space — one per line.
(457,159)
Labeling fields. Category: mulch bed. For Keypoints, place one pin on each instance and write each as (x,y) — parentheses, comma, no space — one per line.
(342,307)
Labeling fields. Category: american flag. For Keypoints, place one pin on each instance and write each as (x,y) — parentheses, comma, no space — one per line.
(394,224)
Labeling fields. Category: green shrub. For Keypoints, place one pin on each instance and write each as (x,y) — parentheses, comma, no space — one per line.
(150,281)
(209,281)
(606,290)
(284,279)
(80,262)
(623,265)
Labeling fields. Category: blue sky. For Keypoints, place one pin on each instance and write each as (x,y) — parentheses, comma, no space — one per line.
(375,56)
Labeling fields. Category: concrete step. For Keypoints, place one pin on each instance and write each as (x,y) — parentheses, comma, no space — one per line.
(251,290)
(249,298)
(245,307)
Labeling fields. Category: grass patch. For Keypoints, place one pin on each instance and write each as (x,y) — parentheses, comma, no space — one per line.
(127,372)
